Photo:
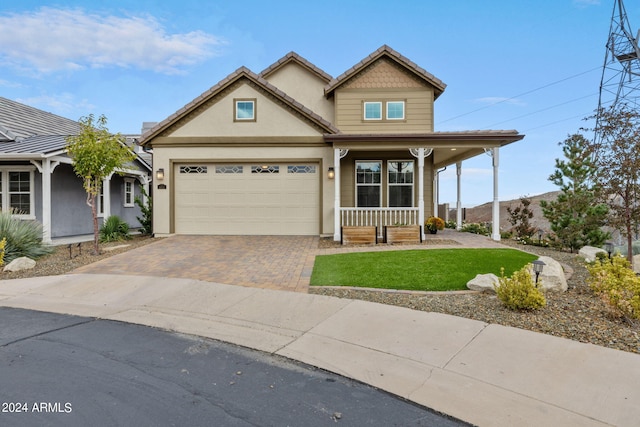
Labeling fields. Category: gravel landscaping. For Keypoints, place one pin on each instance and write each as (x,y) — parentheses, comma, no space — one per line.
(576,314)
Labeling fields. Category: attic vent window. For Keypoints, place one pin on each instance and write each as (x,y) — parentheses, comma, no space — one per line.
(245,110)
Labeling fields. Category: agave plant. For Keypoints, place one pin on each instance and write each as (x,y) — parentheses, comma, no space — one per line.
(23,237)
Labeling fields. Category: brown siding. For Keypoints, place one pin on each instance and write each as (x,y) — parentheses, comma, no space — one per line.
(347,176)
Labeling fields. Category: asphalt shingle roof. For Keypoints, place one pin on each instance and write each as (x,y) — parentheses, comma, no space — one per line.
(18,121)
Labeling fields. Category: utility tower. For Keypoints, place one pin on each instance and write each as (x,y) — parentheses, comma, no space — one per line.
(620,81)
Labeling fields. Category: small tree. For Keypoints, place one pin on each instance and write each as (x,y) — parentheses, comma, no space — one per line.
(146,221)
(96,154)
(575,216)
(616,154)
(519,218)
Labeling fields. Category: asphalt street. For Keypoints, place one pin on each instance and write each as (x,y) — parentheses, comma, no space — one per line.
(60,370)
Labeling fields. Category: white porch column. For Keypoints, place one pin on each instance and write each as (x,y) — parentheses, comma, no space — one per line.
(459,197)
(336,202)
(106,197)
(495,226)
(435,192)
(421,155)
(46,201)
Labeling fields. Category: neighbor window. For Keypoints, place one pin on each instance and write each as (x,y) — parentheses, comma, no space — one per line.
(373,110)
(395,110)
(100,200)
(245,110)
(128,192)
(368,184)
(16,191)
(400,184)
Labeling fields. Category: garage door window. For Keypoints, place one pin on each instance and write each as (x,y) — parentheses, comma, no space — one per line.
(301,169)
(193,169)
(229,169)
(265,169)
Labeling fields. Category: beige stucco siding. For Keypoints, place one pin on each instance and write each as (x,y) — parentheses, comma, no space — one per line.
(218,118)
(305,87)
(418,110)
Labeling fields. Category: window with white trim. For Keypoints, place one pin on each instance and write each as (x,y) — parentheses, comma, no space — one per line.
(244,110)
(17,191)
(395,110)
(383,111)
(368,184)
(400,183)
(100,201)
(128,192)
(373,110)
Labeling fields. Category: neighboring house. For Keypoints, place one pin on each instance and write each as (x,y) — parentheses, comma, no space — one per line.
(293,151)
(37,180)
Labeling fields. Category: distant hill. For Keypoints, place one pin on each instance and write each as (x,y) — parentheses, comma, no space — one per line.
(483,213)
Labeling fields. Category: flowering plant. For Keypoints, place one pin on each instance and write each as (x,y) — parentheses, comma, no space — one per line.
(434,223)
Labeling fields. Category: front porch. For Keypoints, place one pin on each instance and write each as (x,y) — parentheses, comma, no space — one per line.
(379,217)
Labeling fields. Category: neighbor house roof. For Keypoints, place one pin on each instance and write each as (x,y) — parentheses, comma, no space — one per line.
(386,51)
(237,75)
(19,121)
(295,58)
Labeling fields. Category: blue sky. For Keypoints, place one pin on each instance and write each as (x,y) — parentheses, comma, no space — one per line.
(534,66)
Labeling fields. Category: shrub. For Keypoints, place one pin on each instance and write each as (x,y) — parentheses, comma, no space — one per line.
(3,243)
(476,228)
(452,224)
(114,229)
(434,223)
(146,221)
(23,238)
(518,292)
(617,284)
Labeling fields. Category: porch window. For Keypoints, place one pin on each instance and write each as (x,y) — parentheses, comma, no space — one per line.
(400,183)
(373,110)
(128,192)
(17,191)
(368,183)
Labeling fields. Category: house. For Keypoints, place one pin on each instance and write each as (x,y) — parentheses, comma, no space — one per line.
(37,180)
(294,151)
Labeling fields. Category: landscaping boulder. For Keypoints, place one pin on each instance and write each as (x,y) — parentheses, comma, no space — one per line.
(483,282)
(636,264)
(18,264)
(552,277)
(589,253)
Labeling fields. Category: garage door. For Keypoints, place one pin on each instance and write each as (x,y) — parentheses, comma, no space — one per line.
(249,199)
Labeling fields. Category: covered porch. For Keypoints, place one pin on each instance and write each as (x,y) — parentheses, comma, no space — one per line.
(385,180)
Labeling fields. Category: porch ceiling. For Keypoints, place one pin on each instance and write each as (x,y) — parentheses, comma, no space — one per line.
(448,147)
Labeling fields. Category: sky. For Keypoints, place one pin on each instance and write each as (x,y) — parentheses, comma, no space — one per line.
(530,65)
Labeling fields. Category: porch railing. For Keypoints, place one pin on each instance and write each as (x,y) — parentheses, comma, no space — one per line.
(378,217)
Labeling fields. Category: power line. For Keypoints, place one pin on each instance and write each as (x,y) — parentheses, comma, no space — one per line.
(520,95)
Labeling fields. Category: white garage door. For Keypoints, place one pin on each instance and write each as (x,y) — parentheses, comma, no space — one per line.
(266,199)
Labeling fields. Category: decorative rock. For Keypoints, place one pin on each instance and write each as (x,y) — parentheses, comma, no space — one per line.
(483,282)
(18,264)
(552,277)
(589,253)
(636,263)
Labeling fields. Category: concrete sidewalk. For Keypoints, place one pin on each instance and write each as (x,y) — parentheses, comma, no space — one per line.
(488,375)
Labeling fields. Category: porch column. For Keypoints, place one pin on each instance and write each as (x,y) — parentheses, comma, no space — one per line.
(421,189)
(435,193)
(46,201)
(495,226)
(336,203)
(106,198)
(459,197)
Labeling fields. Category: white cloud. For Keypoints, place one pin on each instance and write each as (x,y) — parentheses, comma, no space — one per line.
(69,39)
(62,104)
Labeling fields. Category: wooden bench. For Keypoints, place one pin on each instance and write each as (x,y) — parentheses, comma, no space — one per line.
(359,235)
(403,234)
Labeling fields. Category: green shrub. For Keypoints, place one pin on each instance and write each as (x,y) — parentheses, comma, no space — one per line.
(617,284)
(519,292)
(476,228)
(114,229)
(23,238)
(3,243)
(146,221)
(452,224)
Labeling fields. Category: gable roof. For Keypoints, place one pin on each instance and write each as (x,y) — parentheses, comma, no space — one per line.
(295,58)
(240,73)
(19,121)
(386,51)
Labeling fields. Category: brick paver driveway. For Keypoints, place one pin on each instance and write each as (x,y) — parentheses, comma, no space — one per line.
(274,262)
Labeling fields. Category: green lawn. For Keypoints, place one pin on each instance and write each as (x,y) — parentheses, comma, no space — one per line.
(417,270)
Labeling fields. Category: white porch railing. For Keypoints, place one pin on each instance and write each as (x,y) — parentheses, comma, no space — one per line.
(378,217)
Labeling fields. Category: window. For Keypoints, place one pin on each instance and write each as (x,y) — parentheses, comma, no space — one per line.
(193,169)
(265,169)
(229,169)
(101,201)
(395,110)
(245,110)
(301,169)
(368,184)
(128,192)
(400,183)
(373,110)
(17,191)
